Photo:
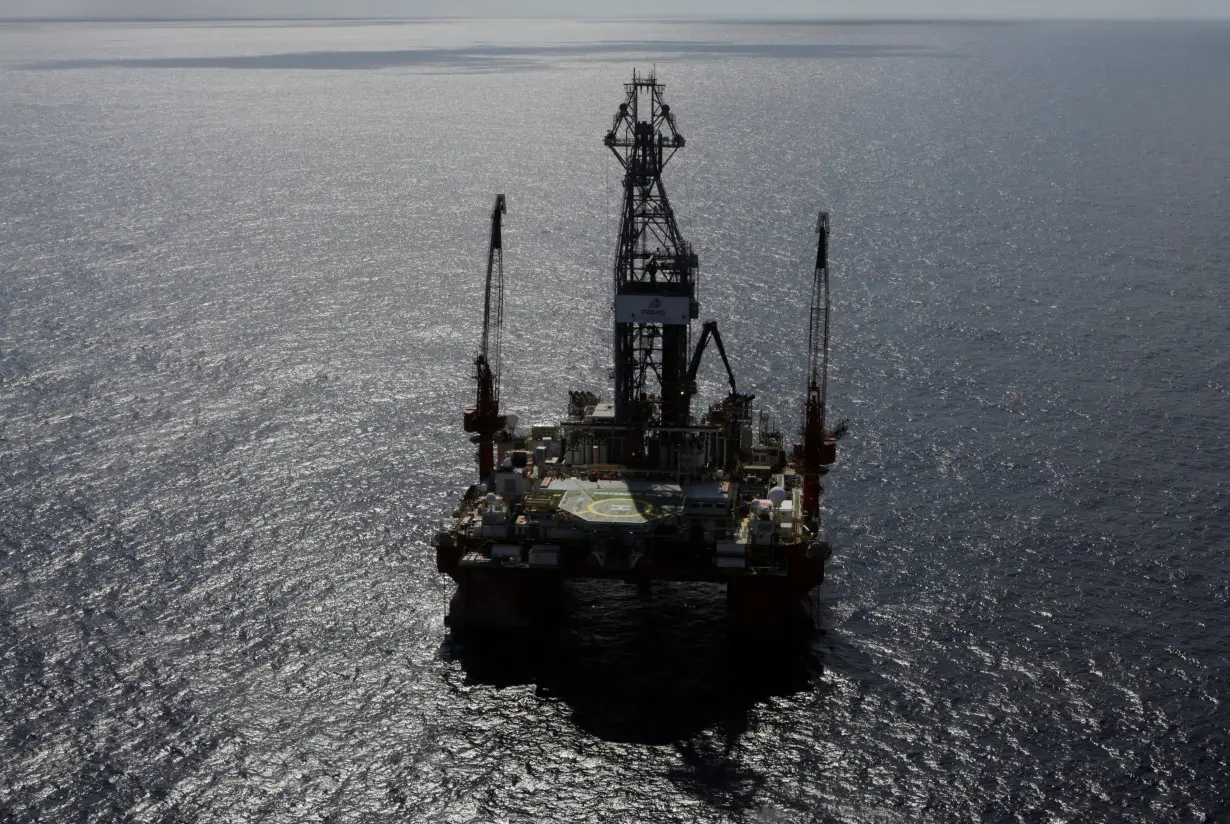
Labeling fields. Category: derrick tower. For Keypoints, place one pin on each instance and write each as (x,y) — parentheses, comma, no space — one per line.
(655,268)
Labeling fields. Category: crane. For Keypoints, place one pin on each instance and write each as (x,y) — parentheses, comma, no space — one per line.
(818,449)
(710,329)
(484,418)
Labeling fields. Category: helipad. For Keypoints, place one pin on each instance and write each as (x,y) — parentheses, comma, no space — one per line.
(619,504)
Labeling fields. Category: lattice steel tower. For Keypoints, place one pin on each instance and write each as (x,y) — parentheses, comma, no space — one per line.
(655,268)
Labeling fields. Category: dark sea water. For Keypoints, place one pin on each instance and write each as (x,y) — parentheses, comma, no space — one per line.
(240,273)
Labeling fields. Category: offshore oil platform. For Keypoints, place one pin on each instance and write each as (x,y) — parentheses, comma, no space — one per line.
(636,489)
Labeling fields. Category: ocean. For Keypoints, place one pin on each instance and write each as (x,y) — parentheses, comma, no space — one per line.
(241,267)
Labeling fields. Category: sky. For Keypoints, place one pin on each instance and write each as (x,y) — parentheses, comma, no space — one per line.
(743,9)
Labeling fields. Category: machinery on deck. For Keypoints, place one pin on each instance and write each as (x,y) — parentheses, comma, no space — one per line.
(638,489)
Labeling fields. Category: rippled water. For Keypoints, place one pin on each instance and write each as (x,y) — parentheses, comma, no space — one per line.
(239,286)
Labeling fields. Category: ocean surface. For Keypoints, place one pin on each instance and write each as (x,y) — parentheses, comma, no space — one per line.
(240,293)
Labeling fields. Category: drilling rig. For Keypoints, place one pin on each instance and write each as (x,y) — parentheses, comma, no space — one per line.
(639,489)
(655,268)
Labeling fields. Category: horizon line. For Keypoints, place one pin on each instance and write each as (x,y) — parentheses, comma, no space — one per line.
(894,19)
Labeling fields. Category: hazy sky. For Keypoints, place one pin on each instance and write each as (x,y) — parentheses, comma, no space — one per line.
(1127,9)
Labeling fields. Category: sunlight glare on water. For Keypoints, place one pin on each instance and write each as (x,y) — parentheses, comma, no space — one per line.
(239,298)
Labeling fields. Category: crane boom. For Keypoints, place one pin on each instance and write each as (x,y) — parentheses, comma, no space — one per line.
(818,449)
(484,418)
(818,327)
(495,278)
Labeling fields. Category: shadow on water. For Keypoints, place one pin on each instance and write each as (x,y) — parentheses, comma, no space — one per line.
(498,58)
(651,670)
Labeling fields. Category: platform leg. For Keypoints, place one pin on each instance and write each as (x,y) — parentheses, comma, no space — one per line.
(767,605)
(498,598)
(489,599)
